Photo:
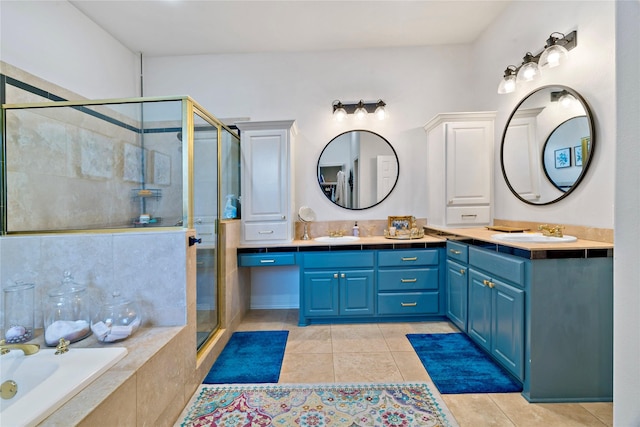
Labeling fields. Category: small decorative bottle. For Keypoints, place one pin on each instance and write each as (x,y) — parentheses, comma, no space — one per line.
(18,312)
(356,229)
(66,314)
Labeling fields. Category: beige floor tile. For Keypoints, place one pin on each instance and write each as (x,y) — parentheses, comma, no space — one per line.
(601,410)
(357,338)
(474,410)
(310,339)
(264,320)
(365,367)
(307,368)
(410,366)
(525,414)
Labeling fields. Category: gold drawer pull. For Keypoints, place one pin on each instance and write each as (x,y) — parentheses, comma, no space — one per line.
(462,271)
(455,251)
(413,258)
(408,304)
(267,261)
(266,232)
(409,280)
(488,283)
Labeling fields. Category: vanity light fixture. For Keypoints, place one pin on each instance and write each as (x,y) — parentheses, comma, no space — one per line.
(360,109)
(554,53)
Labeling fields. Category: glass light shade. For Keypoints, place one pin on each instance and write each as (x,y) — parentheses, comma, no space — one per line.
(360,113)
(340,114)
(553,56)
(528,72)
(381,112)
(566,100)
(507,84)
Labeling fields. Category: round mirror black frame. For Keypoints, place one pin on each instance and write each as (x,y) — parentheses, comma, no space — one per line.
(392,151)
(586,163)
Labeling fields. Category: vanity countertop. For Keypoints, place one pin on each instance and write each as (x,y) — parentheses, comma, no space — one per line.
(482,234)
(373,242)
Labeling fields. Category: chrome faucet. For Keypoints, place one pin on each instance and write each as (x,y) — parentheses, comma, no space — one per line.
(551,231)
(27,349)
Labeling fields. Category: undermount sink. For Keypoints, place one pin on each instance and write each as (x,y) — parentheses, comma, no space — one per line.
(533,238)
(340,239)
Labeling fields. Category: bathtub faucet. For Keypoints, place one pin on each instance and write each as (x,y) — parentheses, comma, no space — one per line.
(27,349)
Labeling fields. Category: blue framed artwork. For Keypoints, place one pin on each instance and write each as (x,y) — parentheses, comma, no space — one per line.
(577,155)
(562,157)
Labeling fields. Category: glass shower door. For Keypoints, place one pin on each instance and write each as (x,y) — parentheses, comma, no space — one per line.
(205,220)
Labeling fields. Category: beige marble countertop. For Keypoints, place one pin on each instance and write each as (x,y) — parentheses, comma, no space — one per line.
(481,233)
(369,240)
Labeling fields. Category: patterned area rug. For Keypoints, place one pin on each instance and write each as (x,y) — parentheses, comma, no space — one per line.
(330,405)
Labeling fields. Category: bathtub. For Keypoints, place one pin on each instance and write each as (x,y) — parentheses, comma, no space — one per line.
(46,381)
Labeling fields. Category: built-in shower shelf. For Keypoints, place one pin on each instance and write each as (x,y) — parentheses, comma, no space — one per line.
(146,192)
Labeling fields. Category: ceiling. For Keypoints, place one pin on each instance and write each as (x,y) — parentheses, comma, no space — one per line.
(187,27)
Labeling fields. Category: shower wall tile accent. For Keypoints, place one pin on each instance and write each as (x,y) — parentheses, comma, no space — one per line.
(147,267)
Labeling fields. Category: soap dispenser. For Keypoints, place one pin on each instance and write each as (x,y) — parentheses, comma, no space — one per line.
(356,229)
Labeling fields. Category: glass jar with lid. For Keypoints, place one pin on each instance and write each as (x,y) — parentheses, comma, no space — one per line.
(117,319)
(67,313)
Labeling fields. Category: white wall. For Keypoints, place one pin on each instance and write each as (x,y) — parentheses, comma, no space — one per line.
(525,26)
(54,41)
(626,294)
(416,84)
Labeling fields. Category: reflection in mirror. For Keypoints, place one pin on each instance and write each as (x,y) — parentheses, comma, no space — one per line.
(357,169)
(547,145)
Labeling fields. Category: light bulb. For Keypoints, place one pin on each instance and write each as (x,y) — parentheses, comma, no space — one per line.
(566,100)
(360,112)
(507,84)
(528,72)
(553,56)
(339,113)
(381,112)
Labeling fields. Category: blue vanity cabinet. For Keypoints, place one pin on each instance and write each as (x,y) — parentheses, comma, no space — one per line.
(337,285)
(409,282)
(497,307)
(457,284)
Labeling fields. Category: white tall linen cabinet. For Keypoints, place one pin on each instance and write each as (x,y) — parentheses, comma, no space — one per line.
(266,181)
(460,150)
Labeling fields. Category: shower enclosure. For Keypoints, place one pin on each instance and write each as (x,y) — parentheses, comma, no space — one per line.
(124,164)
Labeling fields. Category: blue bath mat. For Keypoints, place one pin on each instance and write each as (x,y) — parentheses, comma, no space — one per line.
(457,365)
(248,358)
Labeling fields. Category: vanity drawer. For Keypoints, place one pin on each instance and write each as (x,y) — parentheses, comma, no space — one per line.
(346,259)
(266,260)
(509,268)
(468,215)
(409,279)
(407,258)
(265,231)
(408,303)
(458,251)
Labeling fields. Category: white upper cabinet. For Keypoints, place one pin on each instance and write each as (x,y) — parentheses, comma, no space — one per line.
(460,168)
(266,181)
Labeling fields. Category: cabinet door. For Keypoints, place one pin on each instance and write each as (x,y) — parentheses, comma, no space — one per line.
(457,294)
(265,155)
(479,327)
(321,296)
(469,159)
(508,327)
(356,292)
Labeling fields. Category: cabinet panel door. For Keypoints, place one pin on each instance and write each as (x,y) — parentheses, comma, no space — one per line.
(265,155)
(457,294)
(321,293)
(508,327)
(469,157)
(356,292)
(479,326)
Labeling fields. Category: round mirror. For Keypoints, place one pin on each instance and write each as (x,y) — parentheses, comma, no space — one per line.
(547,145)
(357,169)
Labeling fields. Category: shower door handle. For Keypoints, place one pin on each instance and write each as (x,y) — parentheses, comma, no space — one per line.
(193,240)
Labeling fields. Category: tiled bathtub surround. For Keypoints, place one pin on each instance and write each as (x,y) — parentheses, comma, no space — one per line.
(147,267)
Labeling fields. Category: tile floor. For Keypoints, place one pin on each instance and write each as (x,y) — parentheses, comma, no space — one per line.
(380,352)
